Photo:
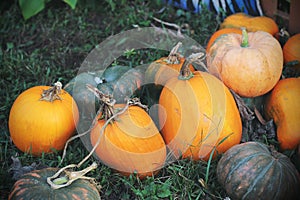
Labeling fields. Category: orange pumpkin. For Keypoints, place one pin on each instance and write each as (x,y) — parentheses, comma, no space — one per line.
(291,50)
(42,119)
(283,106)
(197,112)
(250,64)
(219,33)
(131,143)
(252,24)
(163,69)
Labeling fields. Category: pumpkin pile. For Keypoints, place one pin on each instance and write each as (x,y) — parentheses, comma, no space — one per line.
(198,116)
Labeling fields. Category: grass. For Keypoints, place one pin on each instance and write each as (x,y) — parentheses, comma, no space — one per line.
(52,45)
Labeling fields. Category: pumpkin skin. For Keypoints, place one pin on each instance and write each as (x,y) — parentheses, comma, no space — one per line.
(252,170)
(252,24)
(34,185)
(291,50)
(249,71)
(196,114)
(219,33)
(282,105)
(131,143)
(37,126)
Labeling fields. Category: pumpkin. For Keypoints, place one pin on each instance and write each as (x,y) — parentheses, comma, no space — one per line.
(131,143)
(250,64)
(163,69)
(42,119)
(291,50)
(77,88)
(254,170)
(33,185)
(121,82)
(197,114)
(282,105)
(252,24)
(219,33)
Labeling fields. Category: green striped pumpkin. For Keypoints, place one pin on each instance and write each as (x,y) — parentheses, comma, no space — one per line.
(254,170)
(33,185)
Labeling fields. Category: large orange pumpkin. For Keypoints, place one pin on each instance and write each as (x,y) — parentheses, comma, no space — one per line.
(291,50)
(253,24)
(42,119)
(197,112)
(250,64)
(131,143)
(219,33)
(283,106)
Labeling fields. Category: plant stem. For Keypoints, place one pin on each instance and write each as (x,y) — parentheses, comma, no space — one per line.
(245,42)
(52,93)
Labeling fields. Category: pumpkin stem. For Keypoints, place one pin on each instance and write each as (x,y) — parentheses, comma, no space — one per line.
(52,93)
(174,56)
(245,42)
(185,72)
(107,102)
(69,177)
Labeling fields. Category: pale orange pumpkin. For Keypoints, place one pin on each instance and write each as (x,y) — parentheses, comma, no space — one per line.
(197,114)
(291,50)
(283,106)
(219,33)
(42,119)
(250,64)
(251,23)
(131,143)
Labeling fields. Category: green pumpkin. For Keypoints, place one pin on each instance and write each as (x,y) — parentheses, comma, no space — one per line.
(253,170)
(34,185)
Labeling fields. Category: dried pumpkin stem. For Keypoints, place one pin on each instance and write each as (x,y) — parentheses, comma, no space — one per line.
(57,182)
(185,72)
(174,56)
(52,93)
(245,42)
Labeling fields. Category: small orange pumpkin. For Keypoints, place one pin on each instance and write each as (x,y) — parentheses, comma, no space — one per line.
(197,112)
(291,50)
(219,33)
(131,143)
(165,68)
(42,119)
(283,106)
(252,24)
(250,64)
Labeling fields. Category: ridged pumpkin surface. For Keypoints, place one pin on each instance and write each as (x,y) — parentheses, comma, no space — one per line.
(219,33)
(196,114)
(253,171)
(131,143)
(283,106)
(37,126)
(252,24)
(34,185)
(249,71)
